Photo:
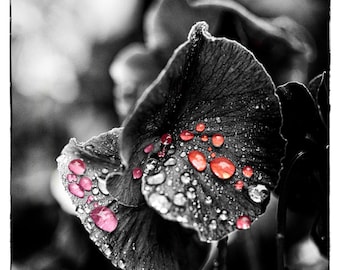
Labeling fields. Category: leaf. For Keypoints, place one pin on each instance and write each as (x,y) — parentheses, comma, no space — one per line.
(131,237)
(219,83)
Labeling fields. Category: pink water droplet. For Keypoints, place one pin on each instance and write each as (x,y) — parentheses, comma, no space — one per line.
(222,167)
(104,218)
(86,183)
(166,139)
(71,177)
(161,153)
(247,171)
(77,166)
(148,148)
(137,173)
(197,160)
(239,185)
(90,199)
(217,140)
(200,127)
(186,135)
(243,223)
(76,190)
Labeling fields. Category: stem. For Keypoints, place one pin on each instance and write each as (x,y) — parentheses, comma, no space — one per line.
(282,213)
(222,254)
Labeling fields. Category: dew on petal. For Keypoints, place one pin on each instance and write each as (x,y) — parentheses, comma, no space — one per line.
(197,160)
(86,183)
(179,199)
(160,203)
(77,166)
(200,127)
(204,138)
(170,162)
(243,223)
(104,218)
(161,153)
(166,139)
(148,148)
(213,155)
(222,167)
(186,135)
(217,140)
(185,178)
(76,190)
(239,185)
(247,171)
(258,193)
(156,179)
(71,177)
(90,199)
(137,173)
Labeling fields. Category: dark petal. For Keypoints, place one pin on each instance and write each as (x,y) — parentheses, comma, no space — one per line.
(319,88)
(133,237)
(103,167)
(284,47)
(217,82)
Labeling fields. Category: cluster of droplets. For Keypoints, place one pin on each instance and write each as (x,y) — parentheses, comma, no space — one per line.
(176,195)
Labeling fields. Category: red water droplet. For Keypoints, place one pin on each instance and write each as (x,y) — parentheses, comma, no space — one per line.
(89,199)
(204,138)
(104,218)
(239,185)
(166,139)
(197,160)
(247,171)
(222,167)
(209,148)
(71,177)
(243,223)
(200,127)
(85,183)
(212,155)
(137,173)
(217,140)
(148,148)
(76,190)
(77,166)
(186,135)
(161,153)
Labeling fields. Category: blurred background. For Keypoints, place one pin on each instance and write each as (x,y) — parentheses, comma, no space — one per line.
(64,78)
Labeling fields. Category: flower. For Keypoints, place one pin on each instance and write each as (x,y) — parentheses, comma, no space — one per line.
(200,153)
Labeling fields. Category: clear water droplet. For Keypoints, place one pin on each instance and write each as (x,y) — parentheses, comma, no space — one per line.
(213,224)
(208,200)
(156,179)
(179,199)
(160,203)
(223,216)
(185,178)
(258,193)
(121,264)
(170,162)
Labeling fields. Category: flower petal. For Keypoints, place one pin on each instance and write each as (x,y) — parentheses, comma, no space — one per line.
(98,159)
(131,237)
(214,119)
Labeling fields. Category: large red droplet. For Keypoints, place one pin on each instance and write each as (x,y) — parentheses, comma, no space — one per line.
(217,140)
(104,218)
(137,173)
(186,135)
(85,183)
(200,127)
(76,190)
(222,167)
(243,223)
(247,171)
(197,160)
(77,166)
(166,139)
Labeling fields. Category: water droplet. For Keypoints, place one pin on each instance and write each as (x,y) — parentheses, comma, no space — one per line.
(160,203)
(191,193)
(150,165)
(121,264)
(186,135)
(258,193)
(170,162)
(217,140)
(197,160)
(77,166)
(183,154)
(90,199)
(89,147)
(247,171)
(223,216)
(218,120)
(213,224)
(95,191)
(71,177)
(76,190)
(239,185)
(105,171)
(86,183)
(106,250)
(204,138)
(213,155)
(179,199)
(137,173)
(200,127)
(161,153)
(222,167)
(208,200)
(243,223)
(148,148)
(104,218)
(185,178)
(156,179)
(166,139)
